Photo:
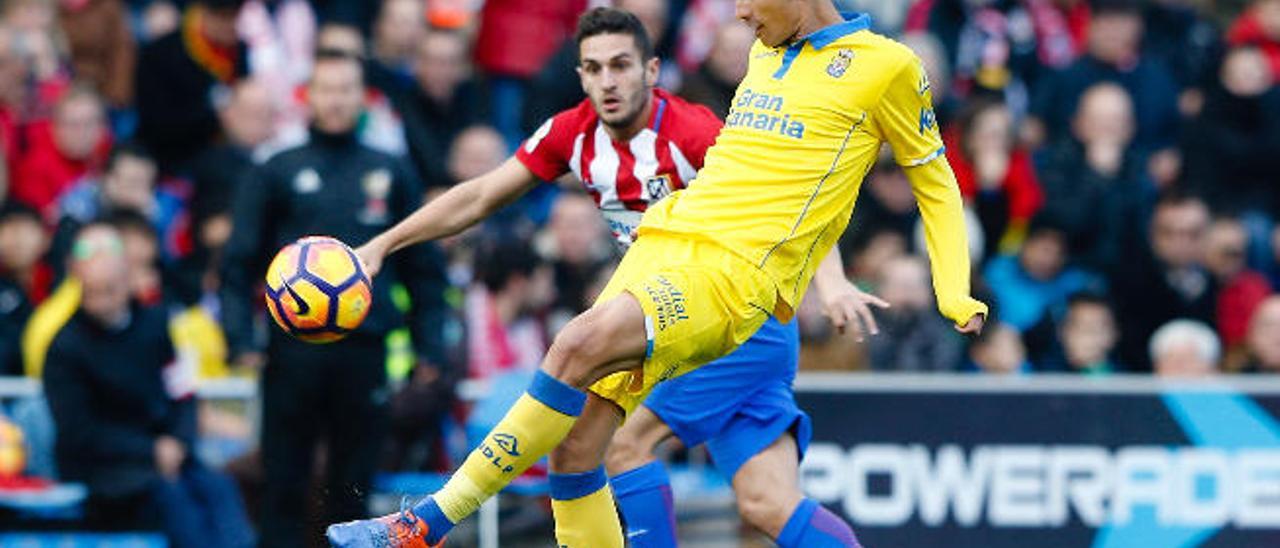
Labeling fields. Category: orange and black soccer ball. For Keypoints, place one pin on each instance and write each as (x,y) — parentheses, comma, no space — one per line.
(317,289)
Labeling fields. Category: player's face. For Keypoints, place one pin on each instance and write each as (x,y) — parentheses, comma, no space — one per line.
(775,22)
(616,77)
(336,95)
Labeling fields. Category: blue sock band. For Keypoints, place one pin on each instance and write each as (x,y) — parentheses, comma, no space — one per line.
(644,497)
(557,395)
(576,486)
(649,476)
(796,525)
(812,526)
(438,524)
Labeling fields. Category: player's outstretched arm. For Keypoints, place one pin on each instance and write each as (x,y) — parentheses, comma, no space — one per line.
(905,116)
(462,206)
(842,302)
(947,241)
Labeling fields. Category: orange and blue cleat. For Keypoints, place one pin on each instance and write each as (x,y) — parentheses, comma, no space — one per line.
(400,530)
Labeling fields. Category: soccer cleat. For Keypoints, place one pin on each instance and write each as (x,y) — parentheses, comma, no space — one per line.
(400,530)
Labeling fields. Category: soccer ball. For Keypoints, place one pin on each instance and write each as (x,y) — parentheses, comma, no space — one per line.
(317,289)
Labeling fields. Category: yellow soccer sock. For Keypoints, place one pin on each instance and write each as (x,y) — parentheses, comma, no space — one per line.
(583,507)
(538,421)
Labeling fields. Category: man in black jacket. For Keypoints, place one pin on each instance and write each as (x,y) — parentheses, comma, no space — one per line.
(123,404)
(334,186)
(181,76)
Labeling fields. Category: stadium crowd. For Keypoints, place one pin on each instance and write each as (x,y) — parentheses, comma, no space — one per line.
(1117,158)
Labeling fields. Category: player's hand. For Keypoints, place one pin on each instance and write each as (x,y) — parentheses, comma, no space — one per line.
(169,455)
(850,308)
(973,326)
(371,255)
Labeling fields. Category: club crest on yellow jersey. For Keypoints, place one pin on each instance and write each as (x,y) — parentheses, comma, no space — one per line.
(840,63)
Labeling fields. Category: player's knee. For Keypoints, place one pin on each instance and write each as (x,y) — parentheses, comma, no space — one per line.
(576,354)
(762,509)
(574,455)
(626,452)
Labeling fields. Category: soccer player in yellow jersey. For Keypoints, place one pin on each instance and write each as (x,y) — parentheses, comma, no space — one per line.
(714,261)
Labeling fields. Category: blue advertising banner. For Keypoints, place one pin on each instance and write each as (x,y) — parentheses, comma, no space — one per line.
(1047,462)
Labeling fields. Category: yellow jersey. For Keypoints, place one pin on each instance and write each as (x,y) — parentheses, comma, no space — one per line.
(806,124)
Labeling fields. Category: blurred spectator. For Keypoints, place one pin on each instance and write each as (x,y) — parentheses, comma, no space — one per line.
(718,76)
(1180,35)
(279,37)
(23,243)
(993,173)
(445,99)
(1260,27)
(14,311)
(332,185)
(1114,55)
(1232,144)
(577,243)
(1093,184)
(998,46)
(913,337)
(128,183)
(865,262)
(158,18)
(380,126)
(182,75)
(124,406)
(398,34)
(1184,349)
(1264,337)
(505,331)
(999,350)
(248,121)
(1088,335)
(938,69)
(515,41)
(1033,283)
(60,153)
(1241,290)
(103,52)
(477,150)
(44,48)
(1167,281)
(886,203)
(142,253)
(24,279)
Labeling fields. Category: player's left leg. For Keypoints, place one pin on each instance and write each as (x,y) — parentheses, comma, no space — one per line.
(640,483)
(769,498)
(581,499)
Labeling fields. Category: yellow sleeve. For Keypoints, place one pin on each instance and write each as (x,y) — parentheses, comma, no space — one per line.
(905,119)
(946,238)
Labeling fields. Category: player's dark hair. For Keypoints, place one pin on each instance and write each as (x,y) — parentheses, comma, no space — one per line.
(599,21)
(500,258)
(128,149)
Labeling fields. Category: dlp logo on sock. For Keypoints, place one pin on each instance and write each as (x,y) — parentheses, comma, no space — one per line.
(509,444)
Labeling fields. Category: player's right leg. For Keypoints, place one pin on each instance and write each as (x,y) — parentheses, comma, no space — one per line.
(610,337)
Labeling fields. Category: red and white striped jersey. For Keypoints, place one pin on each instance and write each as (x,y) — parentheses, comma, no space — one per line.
(624,178)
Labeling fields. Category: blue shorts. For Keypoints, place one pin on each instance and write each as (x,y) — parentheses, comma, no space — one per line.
(739,404)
